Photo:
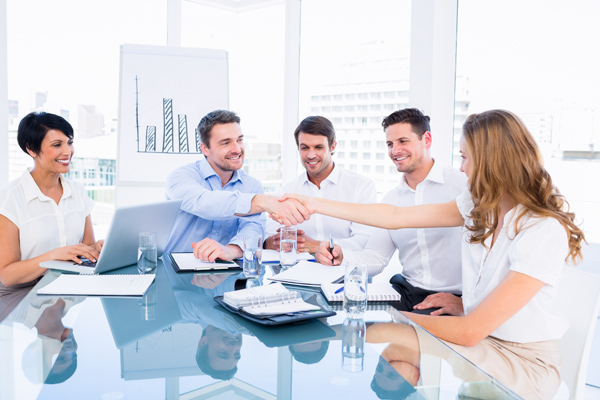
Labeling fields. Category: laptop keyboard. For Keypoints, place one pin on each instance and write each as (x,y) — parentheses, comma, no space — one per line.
(86,263)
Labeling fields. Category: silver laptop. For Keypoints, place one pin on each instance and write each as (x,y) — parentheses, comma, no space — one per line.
(121,245)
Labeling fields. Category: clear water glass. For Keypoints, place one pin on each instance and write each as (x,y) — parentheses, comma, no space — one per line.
(287,246)
(252,255)
(147,254)
(355,290)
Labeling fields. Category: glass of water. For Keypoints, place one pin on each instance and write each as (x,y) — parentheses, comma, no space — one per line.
(252,255)
(355,290)
(146,252)
(287,246)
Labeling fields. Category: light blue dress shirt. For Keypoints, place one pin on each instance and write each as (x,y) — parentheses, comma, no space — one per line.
(208,209)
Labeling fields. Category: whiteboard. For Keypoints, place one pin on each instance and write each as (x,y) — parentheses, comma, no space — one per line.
(163,94)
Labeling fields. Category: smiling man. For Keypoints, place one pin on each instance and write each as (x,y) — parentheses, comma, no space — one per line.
(430,258)
(220,203)
(315,138)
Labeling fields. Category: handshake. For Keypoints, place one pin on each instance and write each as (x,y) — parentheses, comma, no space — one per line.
(288,210)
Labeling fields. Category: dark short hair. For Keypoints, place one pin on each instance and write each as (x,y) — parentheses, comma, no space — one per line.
(59,377)
(204,364)
(412,116)
(316,125)
(310,357)
(34,126)
(213,118)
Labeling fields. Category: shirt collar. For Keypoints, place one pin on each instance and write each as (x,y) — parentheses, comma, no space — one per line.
(436,174)
(32,190)
(207,171)
(333,177)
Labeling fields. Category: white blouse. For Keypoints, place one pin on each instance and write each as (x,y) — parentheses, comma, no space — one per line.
(539,250)
(43,224)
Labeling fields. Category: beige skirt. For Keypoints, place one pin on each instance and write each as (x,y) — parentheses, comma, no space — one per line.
(532,370)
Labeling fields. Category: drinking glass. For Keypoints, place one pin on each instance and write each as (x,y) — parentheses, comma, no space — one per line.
(147,252)
(252,255)
(287,246)
(355,290)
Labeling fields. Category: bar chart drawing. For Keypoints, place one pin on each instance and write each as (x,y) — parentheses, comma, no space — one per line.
(171,143)
(164,92)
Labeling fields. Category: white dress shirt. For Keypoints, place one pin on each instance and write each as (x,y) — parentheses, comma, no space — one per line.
(430,257)
(340,185)
(539,250)
(43,224)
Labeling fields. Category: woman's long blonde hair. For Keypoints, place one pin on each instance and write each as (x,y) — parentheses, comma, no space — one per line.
(505,159)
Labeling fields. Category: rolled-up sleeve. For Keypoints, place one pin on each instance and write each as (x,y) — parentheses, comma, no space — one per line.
(199,199)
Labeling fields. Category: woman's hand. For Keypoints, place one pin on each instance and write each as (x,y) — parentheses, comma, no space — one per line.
(98,245)
(305,200)
(74,252)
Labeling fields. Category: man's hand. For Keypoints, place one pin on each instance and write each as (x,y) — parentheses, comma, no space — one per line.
(210,250)
(323,255)
(286,212)
(98,245)
(449,303)
(273,242)
(306,244)
(208,281)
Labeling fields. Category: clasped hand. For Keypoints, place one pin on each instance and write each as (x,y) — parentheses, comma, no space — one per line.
(293,209)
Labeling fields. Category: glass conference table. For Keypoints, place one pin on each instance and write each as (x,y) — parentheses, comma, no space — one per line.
(177,343)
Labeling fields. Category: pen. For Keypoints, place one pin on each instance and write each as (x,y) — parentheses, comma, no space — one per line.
(331,248)
(339,290)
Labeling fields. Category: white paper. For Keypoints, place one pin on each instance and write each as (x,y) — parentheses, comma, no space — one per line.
(98,285)
(188,262)
(272,256)
(307,273)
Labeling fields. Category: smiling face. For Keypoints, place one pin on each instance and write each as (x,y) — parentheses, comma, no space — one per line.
(223,349)
(315,154)
(226,151)
(405,149)
(55,153)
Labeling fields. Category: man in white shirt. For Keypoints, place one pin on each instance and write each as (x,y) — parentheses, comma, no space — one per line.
(315,137)
(431,258)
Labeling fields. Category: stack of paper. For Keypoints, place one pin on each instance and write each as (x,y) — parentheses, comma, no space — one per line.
(307,273)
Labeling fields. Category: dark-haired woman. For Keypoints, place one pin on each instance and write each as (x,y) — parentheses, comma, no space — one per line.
(43,216)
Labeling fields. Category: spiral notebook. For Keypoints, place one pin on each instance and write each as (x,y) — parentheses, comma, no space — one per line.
(376,292)
(271,305)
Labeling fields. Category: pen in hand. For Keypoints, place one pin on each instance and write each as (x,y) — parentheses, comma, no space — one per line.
(331,249)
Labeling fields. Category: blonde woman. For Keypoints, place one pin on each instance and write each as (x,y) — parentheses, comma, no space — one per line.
(518,233)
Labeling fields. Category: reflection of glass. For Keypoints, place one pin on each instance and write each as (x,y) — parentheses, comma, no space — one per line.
(355,290)
(148,304)
(252,255)
(353,342)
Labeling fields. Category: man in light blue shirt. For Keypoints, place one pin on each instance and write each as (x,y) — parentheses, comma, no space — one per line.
(220,203)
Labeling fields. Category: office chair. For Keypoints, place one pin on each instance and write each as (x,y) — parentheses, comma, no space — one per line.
(579,299)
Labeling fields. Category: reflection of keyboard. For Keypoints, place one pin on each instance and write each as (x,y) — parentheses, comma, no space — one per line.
(86,263)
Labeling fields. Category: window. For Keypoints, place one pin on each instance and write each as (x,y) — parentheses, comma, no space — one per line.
(366,156)
(366,169)
(551,94)
(353,154)
(341,154)
(366,144)
(379,169)
(379,156)
(354,144)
